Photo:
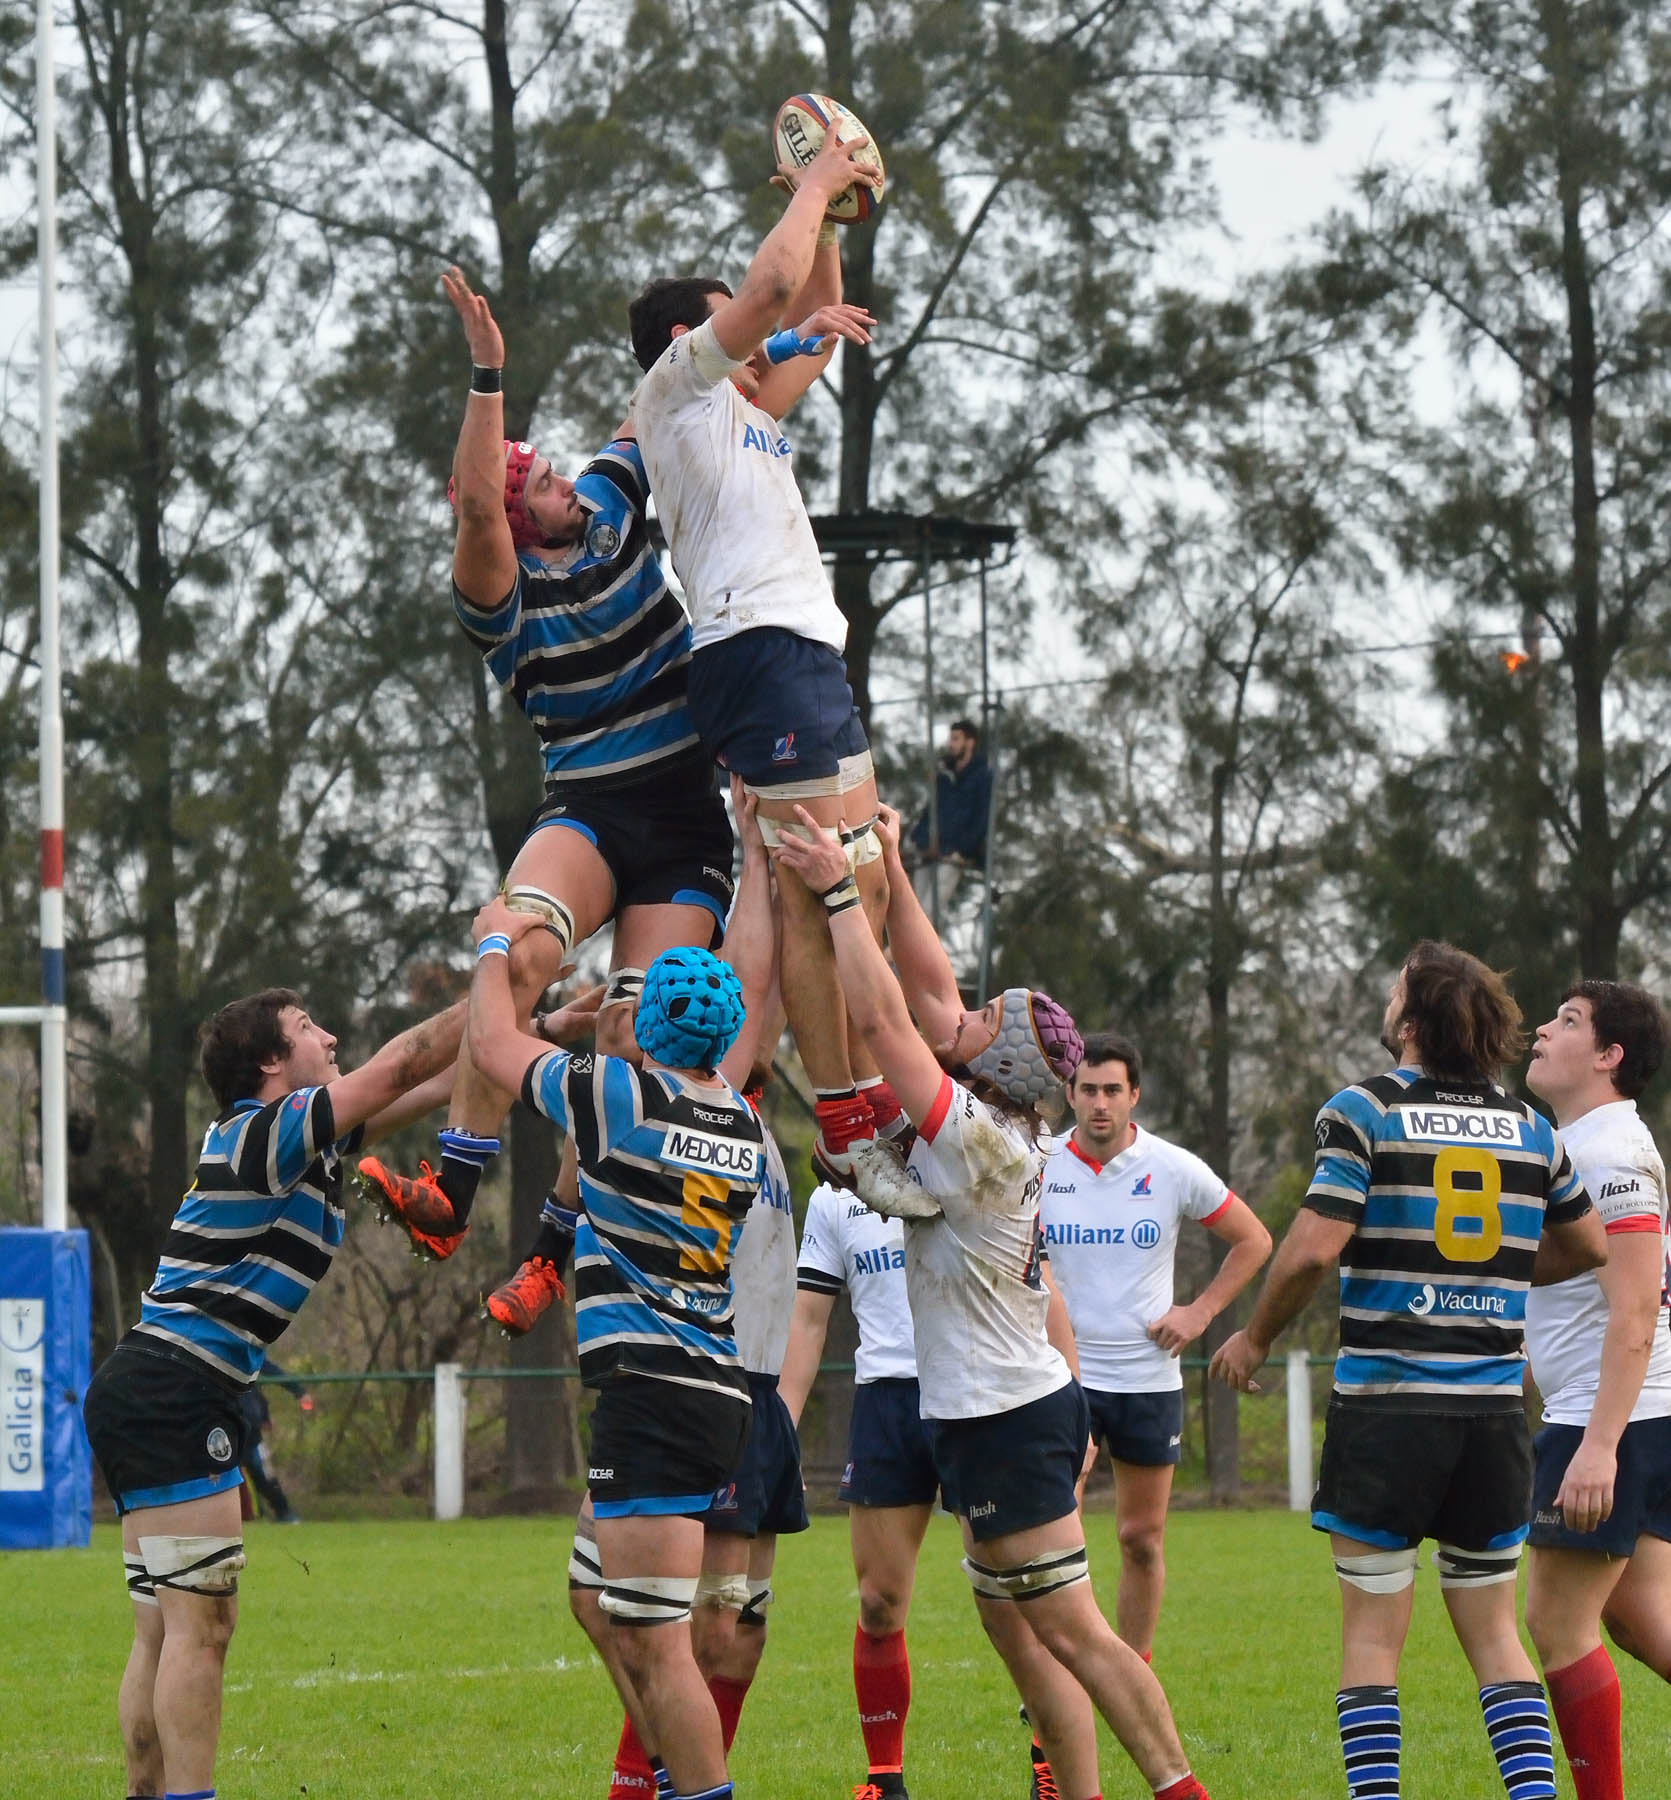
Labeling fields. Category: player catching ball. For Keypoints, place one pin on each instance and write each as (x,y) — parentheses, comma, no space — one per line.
(1009,1422)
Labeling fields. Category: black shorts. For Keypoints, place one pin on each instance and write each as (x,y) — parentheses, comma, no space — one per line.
(1145,1429)
(163,1428)
(890,1449)
(662,1446)
(764,1495)
(1014,1470)
(666,840)
(1391,1476)
(774,707)
(1641,1490)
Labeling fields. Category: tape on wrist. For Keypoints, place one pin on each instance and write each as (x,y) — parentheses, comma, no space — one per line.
(495,944)
(484,380)
(844,894)
(826,234)
(782,345)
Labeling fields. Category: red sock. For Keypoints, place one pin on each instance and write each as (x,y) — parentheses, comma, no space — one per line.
(1585,1699)
(728,1697)
(1186,1787)
(1148,1657)
(633,1778)
(883,1102)
(844,1120)
(882,1682)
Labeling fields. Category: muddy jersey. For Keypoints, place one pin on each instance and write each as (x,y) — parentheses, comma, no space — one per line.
(763,1270)
(1111,1234)
(1615,1155)
(978,1299)
(844,1245)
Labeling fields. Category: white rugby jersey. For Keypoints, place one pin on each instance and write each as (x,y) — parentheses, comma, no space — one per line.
(978,1299)
(845,1245)
(1614,1153)
(763,1270)
(1111,1234)
(723,477)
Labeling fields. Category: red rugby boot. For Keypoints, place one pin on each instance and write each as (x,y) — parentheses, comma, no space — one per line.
(517,1305)
(418,1206)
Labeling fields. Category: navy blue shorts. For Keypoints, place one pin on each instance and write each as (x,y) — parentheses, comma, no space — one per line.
(890,1453)
(163,1427)
(774,707)
(765,1495)
(1016,1469)
(1146,1429)
(1641,1491)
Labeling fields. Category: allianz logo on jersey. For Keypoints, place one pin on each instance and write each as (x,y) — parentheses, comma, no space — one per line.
(1456,1300)
(1145,1234)
(754,439)
(1448,1125)
(688,1149)
(877,1261)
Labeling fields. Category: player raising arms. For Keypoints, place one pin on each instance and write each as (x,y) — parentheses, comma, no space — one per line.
(1114,1201)
(255,1233)
(1009,1422)
(1443,1198)
(671,1159)
(555,583)
(768,689)
(1601,1356)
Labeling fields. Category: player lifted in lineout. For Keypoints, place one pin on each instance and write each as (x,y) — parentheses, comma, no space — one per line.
(555,583)
(1443,1199)
(1009,1425)
(768,689)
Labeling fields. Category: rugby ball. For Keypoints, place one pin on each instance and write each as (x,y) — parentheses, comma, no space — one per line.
(798,136)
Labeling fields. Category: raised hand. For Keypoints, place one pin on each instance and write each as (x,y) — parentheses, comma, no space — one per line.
(481,332)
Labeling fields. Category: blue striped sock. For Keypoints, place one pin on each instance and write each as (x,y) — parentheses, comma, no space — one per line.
(722,1792)
(1517,1717)
(664,1781)
(1371,1738)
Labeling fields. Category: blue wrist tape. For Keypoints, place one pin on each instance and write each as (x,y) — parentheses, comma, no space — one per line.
(495,945)
(784,344)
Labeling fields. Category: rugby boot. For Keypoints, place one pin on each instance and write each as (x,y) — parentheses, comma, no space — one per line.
(517,1305)
(1044,1782)
(843,1124)
(893,1125)
(881,1787)
(884,1184)
(418,1206)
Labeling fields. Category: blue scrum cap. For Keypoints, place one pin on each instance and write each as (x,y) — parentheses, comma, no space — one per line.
(690,1011)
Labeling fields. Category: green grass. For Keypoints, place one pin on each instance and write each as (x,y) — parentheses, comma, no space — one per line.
(391,1659)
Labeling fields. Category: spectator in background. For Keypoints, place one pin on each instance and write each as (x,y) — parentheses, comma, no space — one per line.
(963,804)
(256,1463)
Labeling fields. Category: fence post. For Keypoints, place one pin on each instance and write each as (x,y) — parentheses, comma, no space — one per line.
(449,1441)
(1299,1432)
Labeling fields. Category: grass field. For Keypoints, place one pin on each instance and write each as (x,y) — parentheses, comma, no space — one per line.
(413,1659)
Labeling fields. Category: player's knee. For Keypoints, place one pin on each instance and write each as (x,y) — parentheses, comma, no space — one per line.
(882,1607)
(1142,1545)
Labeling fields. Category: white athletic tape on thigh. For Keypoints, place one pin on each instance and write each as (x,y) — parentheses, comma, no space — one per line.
(1031,1580)
(141,1589)
(862,844)
(1475,1568)
(760,1596)
(650,1599)
(547,908)
(585,1571)
(624,988)
(1378,1571)
(714,1589)
(195,1565)
(851,772)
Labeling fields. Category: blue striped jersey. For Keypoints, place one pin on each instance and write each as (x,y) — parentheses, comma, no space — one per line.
(1448,1185)
(669,1168)
(256,1231)
(593,645)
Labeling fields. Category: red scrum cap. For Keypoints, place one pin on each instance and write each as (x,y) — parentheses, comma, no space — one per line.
(519,463)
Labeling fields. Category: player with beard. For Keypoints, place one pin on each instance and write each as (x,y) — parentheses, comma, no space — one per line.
(1601,1356)
(1114,1202)
(1443,1199)
(1008,1421)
